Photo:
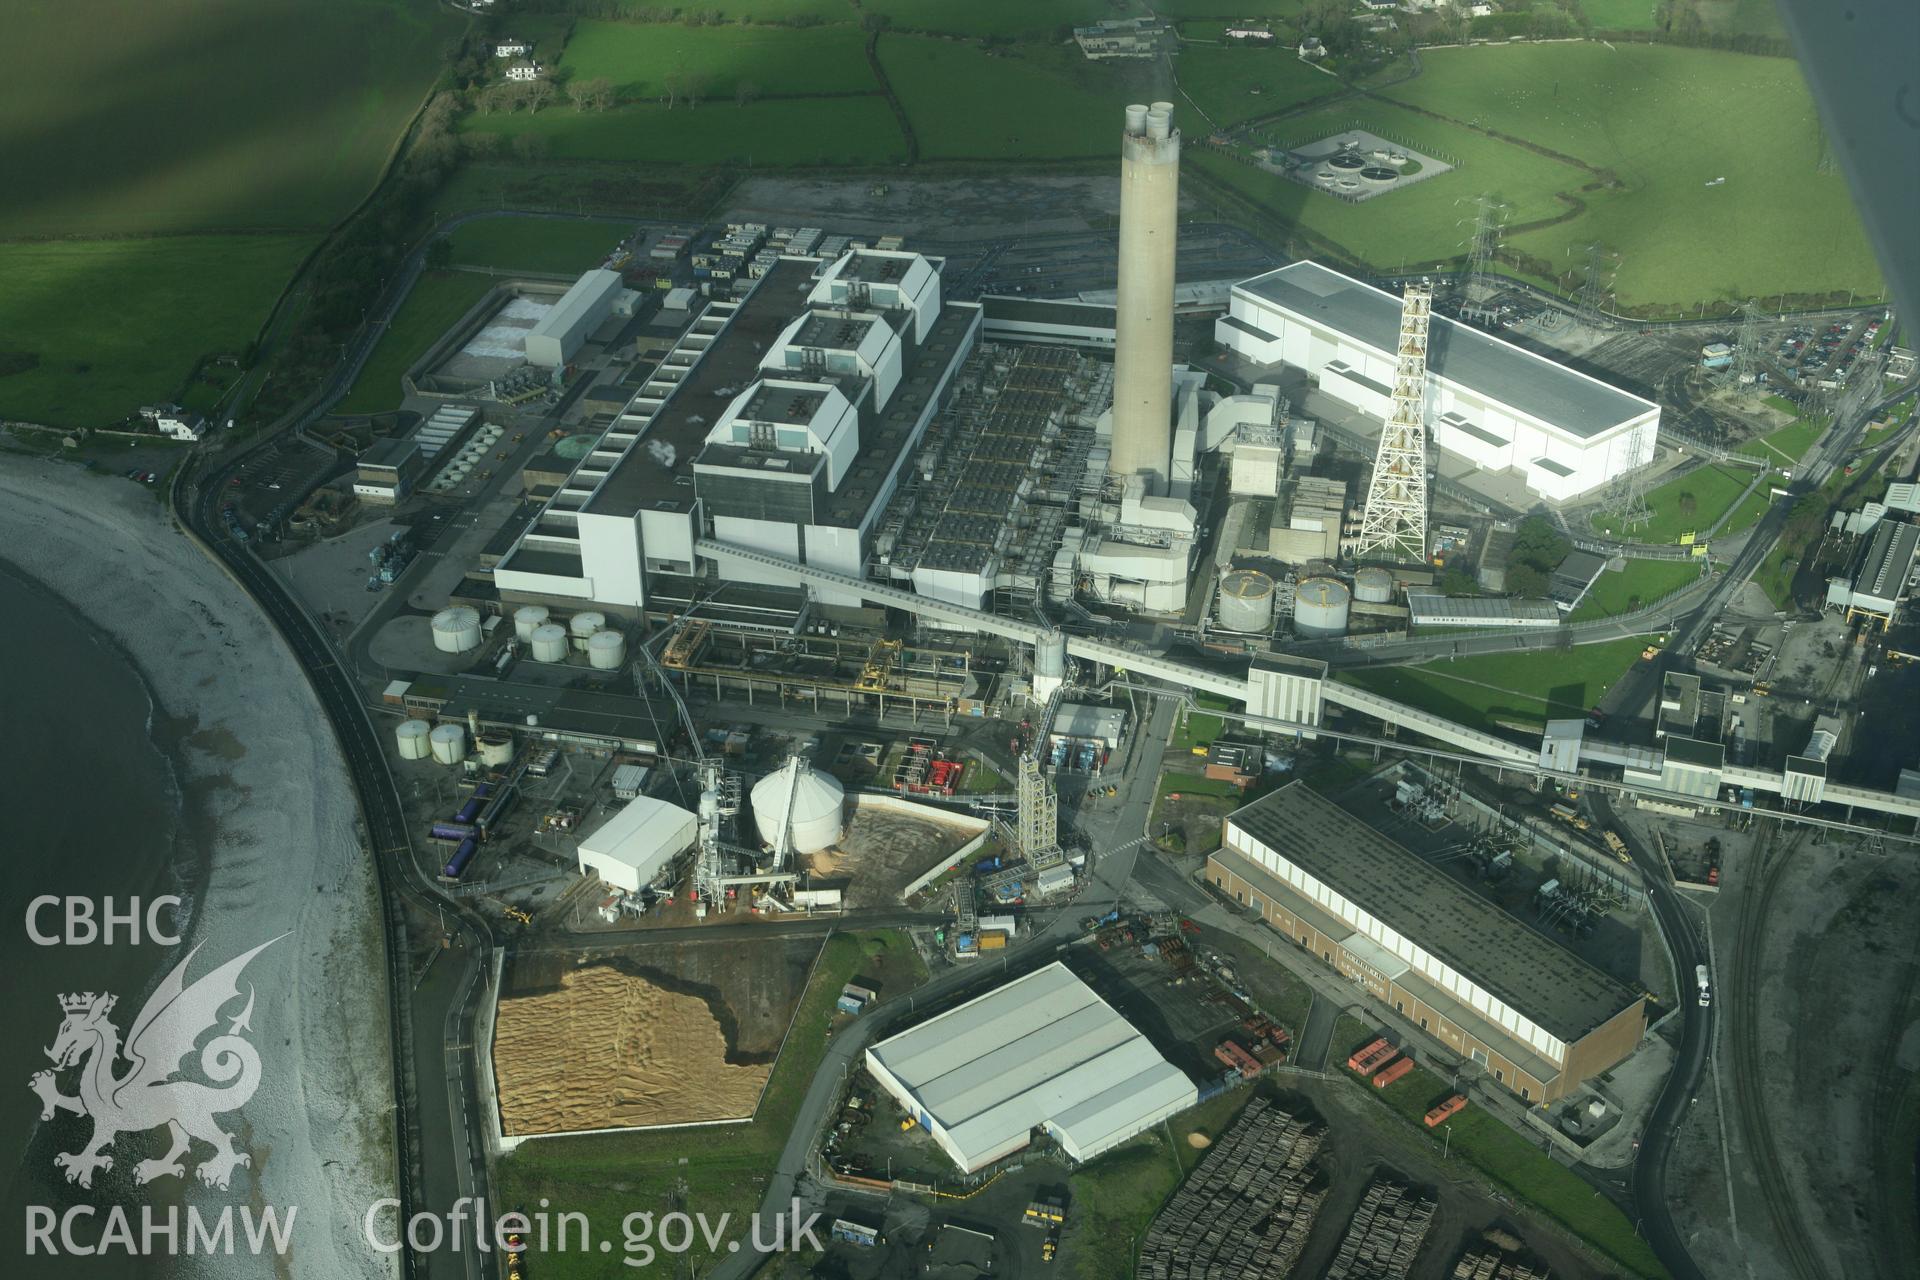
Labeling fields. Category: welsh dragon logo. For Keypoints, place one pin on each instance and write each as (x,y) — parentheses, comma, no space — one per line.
(148,1096)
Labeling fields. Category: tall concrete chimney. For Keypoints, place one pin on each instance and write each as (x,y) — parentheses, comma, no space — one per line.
(1143,333)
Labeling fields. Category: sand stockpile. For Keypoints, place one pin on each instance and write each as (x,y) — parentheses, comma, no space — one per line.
(607,1050)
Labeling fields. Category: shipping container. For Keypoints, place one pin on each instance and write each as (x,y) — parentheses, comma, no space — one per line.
(992,940)
(1452,1106)
(1372,1056)
(1393,1073)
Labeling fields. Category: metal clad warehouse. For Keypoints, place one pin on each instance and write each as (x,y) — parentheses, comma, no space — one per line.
(559,333)
(1042,1052)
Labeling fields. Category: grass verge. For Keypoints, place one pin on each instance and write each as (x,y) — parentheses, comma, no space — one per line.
(438,299)
(563,246)
(1639,584)
(1519,690)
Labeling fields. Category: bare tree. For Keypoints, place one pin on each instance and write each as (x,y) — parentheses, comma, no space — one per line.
(692,85)
(676,86)
(744,92)
(602,90)
(539,93)
(580,94)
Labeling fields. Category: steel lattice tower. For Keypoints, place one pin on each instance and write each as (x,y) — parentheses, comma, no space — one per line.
(1746,347)
(1395,523)
(1489,215)
(1039,811)
(1596,284)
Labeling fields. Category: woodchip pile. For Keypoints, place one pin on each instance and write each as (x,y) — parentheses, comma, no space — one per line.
(1384,1235)
(1489,1264)
(1248,1207)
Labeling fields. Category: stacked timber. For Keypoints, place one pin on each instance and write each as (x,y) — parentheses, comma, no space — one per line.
(1485,1263)
(1247,1209)
(1385,1234)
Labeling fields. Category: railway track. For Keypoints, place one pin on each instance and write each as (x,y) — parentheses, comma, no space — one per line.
(1743,994)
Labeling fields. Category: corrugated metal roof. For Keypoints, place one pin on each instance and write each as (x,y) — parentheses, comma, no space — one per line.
(1500,371)
(587,292)
(1044,1049)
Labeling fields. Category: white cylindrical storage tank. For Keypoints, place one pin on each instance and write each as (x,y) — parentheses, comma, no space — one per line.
(1050,656)
(449,743)
(606,650)
(817,803)
(527,619)
(1320,607)
(496,748)
(1246,600)
(456,630)
(1373,585)
(585,624)
(549,643)
(413,737)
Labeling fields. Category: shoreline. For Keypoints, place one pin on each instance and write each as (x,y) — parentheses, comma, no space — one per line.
(266,841)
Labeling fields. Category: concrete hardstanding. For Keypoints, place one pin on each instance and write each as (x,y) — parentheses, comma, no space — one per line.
(1143,329)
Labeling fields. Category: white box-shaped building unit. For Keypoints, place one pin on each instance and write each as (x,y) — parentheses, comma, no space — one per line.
(1042,1052)
(637,843)
(558,334)
(1490,402)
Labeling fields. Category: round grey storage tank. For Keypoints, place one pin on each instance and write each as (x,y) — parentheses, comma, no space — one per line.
(1320,607)
(1373,585)
(549,643)
(1246,601)
(449,743)
(456,630)
(412,736)
(527,619)
(606,650)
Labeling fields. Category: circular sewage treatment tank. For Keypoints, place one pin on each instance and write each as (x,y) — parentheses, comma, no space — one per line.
(456,630)
(1379,173)
(1320,608)
(574,448)
(1346,160)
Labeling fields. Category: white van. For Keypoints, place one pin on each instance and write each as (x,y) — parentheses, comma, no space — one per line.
(1700,981)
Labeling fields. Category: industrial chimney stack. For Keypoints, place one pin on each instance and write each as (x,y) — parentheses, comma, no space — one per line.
(1143,332)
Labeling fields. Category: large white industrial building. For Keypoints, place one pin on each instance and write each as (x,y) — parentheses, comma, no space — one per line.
(1043,1052)
(571,321)
(1492,403)
(636,844)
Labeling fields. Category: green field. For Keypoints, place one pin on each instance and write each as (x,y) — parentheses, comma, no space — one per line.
(1688,503)
(1020,19)
(1661,123)
(1036,101)
(1789,444)
(129,116)
(1639,584)
(1228,11)
(1419,224)
(724,1169)
(1517,1164)
(1524,689)
(1119,1194)
(1621,15)
(558,245)
(439,298)
(1221,81)
(91,329)
(816,131)
(770,11)
(638,58)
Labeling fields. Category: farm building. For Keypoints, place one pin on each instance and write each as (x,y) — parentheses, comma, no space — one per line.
(1491,403)
(637,843)
(1489,987)
(1042,1052)
(581,309)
